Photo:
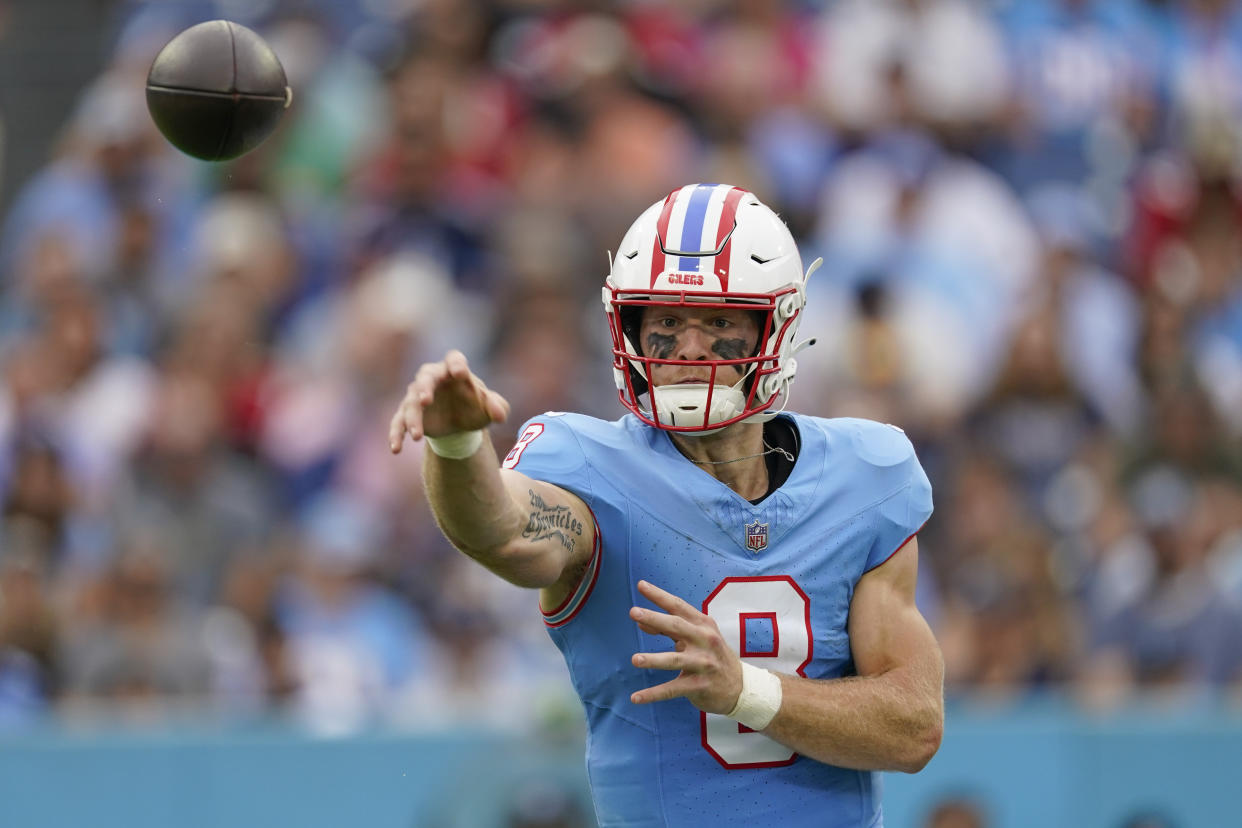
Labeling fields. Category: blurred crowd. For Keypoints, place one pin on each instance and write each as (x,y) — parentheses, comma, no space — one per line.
(1031,226)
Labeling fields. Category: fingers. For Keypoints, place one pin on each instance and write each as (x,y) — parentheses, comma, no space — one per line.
(667,601)
(423,388)
(409,418)
(418,395)
(675,627)
(670,660)
(682,622)
(458,368)
(709,671)
(680,686)
(396,431)
(455,365)
(422,392)
(497,407)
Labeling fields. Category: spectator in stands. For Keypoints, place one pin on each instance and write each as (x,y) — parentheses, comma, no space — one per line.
(1182,633)
(29,632)
(352,644)
(134,642)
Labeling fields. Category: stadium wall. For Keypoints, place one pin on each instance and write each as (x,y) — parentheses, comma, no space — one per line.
(1037,766)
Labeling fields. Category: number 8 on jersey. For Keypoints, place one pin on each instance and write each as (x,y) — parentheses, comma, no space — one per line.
(767,621)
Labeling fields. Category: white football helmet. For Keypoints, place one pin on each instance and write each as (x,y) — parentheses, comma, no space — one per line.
(707,245)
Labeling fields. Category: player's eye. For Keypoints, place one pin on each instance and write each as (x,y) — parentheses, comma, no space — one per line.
(721,322)
(667,322)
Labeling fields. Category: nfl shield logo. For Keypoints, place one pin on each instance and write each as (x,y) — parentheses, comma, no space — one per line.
(756,536)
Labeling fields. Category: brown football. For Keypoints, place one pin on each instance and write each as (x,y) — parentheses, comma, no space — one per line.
(217,90)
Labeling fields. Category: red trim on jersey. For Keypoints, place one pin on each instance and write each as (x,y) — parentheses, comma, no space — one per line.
(657,247)
(728,215)
(597,558)
(900,546)
(742,618)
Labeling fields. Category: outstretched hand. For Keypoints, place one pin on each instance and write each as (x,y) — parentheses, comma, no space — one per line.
(710,673)
(445,398)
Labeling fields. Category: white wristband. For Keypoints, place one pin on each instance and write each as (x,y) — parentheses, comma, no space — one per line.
(456,446)
(760,698)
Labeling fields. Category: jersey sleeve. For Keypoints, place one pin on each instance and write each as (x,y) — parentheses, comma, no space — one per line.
(907,506)
(547,449)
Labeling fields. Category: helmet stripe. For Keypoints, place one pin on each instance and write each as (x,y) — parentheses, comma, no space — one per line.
(677,222)
(712,218)
(727,217)
(692,227)
(657,251)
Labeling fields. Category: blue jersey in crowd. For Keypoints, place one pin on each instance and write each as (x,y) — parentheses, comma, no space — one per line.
(777,577)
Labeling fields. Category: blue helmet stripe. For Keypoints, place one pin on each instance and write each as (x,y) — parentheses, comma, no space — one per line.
(692,229)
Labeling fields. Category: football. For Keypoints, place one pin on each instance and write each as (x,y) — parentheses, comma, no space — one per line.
(217,90)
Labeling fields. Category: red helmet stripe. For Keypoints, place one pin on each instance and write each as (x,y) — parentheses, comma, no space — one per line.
(727,216)
(657,250)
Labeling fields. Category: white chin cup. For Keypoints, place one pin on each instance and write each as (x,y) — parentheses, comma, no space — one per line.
(686,405)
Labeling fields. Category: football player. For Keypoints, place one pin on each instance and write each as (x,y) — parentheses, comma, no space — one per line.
(731,584)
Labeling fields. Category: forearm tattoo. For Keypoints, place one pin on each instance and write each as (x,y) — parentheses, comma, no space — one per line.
(552,522)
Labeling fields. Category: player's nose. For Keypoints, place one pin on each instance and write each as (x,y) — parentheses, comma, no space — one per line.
(694,343)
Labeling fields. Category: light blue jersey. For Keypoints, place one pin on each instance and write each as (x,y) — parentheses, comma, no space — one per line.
(777,577)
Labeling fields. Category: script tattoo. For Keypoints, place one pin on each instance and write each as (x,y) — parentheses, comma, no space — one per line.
(729,348)
(552,522)
(660,346)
